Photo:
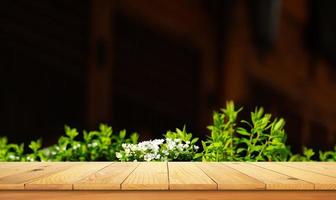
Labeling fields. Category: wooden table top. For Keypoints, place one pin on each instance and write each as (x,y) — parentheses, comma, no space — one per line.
(167,176)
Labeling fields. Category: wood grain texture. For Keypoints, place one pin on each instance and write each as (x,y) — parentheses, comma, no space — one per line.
(32,172)
(228,178)
(321,182)
(167,176)
(147,176)
(272,179)
(64,180)
(108,178)
(187,176)
(168,195)
(9,168)
(324,168)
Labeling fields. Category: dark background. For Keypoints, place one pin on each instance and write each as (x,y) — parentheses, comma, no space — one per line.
(150,66)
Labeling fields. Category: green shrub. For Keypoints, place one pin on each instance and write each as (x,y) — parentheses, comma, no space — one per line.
(259,139)
(10,152)
(309,153)
(262,139)
(94,145)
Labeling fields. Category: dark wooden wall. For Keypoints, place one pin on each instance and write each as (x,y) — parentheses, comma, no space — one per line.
(42,66)
(292,78)
(154,65)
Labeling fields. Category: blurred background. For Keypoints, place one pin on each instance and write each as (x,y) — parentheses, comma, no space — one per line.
(150,66)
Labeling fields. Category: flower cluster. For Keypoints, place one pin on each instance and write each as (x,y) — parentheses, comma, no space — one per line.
(168,149)
(143,151)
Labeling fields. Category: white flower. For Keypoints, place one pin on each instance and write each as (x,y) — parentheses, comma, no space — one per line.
(165,152)
(196,147)
(76,146)
(180,147)
(171,145)
(149,157)
(134,148)
(94,144)
(157,149)
(127,151)
(118,155)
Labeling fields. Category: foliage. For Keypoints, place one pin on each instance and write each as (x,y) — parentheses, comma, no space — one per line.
(94,145)
(222,144)
(328,155)
(259,139)
(177,146)
(10,152)
(309,153)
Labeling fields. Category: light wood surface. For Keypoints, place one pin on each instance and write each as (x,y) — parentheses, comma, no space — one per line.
(230,179)
(64,180)
(8,168)
(325,168)
(108,178)
(167,195)
(187,176)
(148,176)
(321,182)
(272,179)
(243,176)
(30,173)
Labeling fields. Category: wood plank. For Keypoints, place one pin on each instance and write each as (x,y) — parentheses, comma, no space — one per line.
(321,182)
(228,178)
(168,195)
(108,178)
(187,176)
(147,176)
(323,168)
(164,176)
(64,180)
(17,180)
(9,168)
(273,180)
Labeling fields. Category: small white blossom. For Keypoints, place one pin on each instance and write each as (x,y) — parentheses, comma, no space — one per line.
(154,150)
(118,155)
(76,146)
(94,144)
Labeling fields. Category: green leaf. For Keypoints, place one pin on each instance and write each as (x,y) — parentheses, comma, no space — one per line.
(134,138)
(70,132)
(193,141)
(243,131)
(35,145)
(122,134)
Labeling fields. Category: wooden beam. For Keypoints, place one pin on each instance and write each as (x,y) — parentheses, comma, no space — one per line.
(99,73)
(168,195)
